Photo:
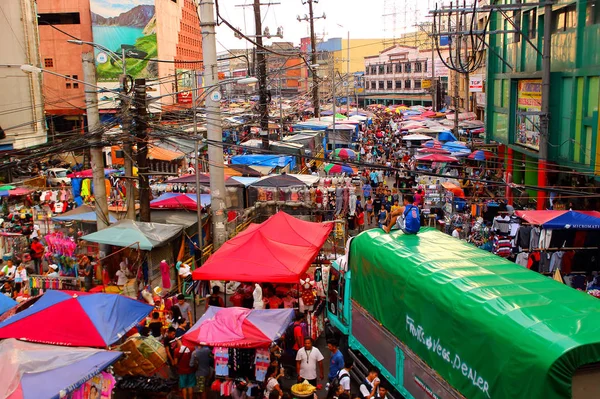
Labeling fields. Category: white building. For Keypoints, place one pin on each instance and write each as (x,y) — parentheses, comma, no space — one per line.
(397,74)
(21,100)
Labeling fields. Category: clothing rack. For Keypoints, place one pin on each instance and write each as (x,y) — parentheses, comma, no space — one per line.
(560,249)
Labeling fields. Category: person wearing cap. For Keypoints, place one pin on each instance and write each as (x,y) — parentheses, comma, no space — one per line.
(52,271)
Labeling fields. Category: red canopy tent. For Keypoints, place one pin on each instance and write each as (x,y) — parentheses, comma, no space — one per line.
(279,250)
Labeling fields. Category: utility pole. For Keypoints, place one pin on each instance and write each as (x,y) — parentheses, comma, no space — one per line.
(545,108)
(348,77)
(263,106)
(280,107)
(97,163)
(313,59)
(127,151)
(141,133)
(334,98)
(197,175)
(214,131)
(433,81)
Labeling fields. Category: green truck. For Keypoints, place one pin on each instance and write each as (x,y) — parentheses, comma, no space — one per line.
(442,319)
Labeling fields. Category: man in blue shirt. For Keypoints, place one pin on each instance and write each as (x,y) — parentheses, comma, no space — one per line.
(366,190)
(337,360)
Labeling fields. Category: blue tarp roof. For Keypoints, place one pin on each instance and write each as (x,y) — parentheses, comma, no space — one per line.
(265,160)
(82,217)
(309,126)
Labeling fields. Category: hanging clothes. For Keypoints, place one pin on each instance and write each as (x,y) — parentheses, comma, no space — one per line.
(165,272)
(556,260)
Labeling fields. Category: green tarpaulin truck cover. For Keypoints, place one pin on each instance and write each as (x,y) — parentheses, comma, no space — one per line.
(489,327)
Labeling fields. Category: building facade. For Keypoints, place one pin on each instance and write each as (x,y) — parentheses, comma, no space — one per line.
(160,39)
(22,102)
(514,93)
(402,74)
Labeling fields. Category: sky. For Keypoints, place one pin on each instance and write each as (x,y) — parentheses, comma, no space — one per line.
(363,19)
(112,8)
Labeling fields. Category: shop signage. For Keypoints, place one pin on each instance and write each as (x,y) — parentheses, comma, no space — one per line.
(529,105)
(475,83)
(426,84)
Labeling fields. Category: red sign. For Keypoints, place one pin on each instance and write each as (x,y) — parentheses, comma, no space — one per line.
(184,98)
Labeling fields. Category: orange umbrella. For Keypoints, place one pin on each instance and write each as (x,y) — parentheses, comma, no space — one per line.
(454,189)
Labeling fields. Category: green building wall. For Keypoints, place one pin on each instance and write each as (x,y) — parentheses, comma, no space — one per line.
(575,82)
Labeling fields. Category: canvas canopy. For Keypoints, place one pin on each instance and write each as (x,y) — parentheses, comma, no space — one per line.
(179,201)
(499,330)
(574,220)
(239,327)
(128,232)
(279,250)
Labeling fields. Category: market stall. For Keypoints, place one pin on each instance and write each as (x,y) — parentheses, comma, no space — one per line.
(160,241)
(241,339)
(564,240)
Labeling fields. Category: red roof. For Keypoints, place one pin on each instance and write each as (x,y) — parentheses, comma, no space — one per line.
(279,250)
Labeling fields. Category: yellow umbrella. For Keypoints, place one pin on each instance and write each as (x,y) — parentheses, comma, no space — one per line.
(388,110)
(233,105)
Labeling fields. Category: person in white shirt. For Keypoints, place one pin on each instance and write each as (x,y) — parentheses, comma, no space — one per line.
(35,233)
(344,375)
(9,270)
(456,232)
(307,360)
(52,271)
(122,274)
(370,386)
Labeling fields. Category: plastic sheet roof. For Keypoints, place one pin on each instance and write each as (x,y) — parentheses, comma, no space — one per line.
(575,220)
(128,232)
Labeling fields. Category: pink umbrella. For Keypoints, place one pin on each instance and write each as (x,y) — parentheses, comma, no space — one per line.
(437,158)
(238,327)
(433,150)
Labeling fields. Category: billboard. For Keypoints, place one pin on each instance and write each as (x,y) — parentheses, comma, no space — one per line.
(128,25)
(529,105)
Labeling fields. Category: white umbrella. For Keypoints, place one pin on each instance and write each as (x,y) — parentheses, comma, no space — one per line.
(416,137)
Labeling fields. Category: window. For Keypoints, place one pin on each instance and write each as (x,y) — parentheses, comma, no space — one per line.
(381,85)
(68,82)
(398,84)
(407,67)
(381,69)
(425,66)
(517,22)
(75,85)
(592,13)
(565,18)
(59,18)
(390,85)
(373,85)
(398,68)
(418,67)
(366,70)
(374,70)
(48,63)
(388,68)
(532,28)
(417,84)
(407,84)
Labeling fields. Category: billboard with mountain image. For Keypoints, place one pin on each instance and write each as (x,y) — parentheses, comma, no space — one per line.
(128,25)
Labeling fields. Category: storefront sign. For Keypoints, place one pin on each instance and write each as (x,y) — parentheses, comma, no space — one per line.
(529,105)
(475,83)
(185,82)
(426,84)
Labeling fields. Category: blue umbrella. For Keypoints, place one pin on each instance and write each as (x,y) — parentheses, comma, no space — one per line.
(446,136)
(6,303)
